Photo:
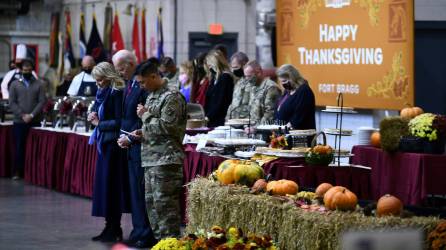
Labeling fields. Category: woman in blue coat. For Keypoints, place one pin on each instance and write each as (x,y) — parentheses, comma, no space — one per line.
(111,180)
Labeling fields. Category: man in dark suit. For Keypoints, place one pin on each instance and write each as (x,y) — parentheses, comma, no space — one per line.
(141,235)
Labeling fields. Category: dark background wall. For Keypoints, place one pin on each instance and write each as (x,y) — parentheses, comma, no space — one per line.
(430,66)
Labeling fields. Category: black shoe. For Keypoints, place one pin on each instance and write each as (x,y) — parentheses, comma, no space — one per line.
(109,234)
(129,242)
(113,235)
(99,237)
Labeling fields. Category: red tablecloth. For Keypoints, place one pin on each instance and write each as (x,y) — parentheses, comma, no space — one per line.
(45,157)
(79,166)
(355,178)
(7,150)
(409,176)
(60,160)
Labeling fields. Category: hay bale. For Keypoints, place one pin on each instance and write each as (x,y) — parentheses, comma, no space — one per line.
(210,203)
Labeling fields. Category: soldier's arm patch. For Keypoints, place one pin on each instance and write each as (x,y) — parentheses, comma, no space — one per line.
(171,110)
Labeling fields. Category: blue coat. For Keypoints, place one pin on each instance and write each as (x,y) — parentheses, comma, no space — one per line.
(110,191)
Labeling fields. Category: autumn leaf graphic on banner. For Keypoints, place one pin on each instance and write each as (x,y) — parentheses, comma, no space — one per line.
(393,85)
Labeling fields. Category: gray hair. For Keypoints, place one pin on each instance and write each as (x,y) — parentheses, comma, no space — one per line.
(255,65)
(124,56)
(289,72)
(240,57)
(107,71)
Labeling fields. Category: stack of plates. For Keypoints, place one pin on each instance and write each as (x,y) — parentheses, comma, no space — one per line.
(364,135)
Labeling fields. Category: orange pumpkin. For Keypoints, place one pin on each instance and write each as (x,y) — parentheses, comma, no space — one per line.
(322,149)
(225,171)
(375,139)
(282,187)
(389,205)
(239,172)
(322,189)
(340,198)
(409,113)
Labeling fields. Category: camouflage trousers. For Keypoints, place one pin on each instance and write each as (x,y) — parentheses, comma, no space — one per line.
(162,195)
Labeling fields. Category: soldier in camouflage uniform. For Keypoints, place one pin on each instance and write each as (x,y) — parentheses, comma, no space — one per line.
(264,94)
(240,97)
(164,125)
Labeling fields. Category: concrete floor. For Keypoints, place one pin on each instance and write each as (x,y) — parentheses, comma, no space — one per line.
(32,217)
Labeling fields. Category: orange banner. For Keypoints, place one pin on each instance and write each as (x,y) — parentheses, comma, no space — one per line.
(362,48)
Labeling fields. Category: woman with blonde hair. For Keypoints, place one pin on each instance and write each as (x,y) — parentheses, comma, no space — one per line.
(185,78)
(109,189)
(297,106)
(219,92)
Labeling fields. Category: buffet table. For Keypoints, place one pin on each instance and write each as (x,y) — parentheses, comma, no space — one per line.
(409,176)
(7,149)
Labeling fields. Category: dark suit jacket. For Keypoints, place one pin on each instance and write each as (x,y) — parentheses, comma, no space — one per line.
(137,95)
(111,123)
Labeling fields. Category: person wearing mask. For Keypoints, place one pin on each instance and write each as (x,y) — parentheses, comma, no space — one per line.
(240,98)
(26,100)
(169,71)
(297,106)
(15,72)
(162,133)
(220,89)
(264,94)
(109,197)
(200,82)
(185,79)
(83,83)
(125,63)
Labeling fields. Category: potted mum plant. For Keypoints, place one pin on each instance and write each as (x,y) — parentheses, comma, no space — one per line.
(429,131)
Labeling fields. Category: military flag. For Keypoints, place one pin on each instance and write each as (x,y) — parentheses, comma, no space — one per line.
(117,40)
(95,47)
(135,37)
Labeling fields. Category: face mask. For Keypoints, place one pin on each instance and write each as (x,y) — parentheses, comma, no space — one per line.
(183,78)
(213,72)
(287,85)
(88,71)
(27,76)
(238,72)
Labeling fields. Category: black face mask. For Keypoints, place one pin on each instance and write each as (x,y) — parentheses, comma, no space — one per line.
(238,72)
(27,76)
(213,72)
(287,86)
(88,71)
